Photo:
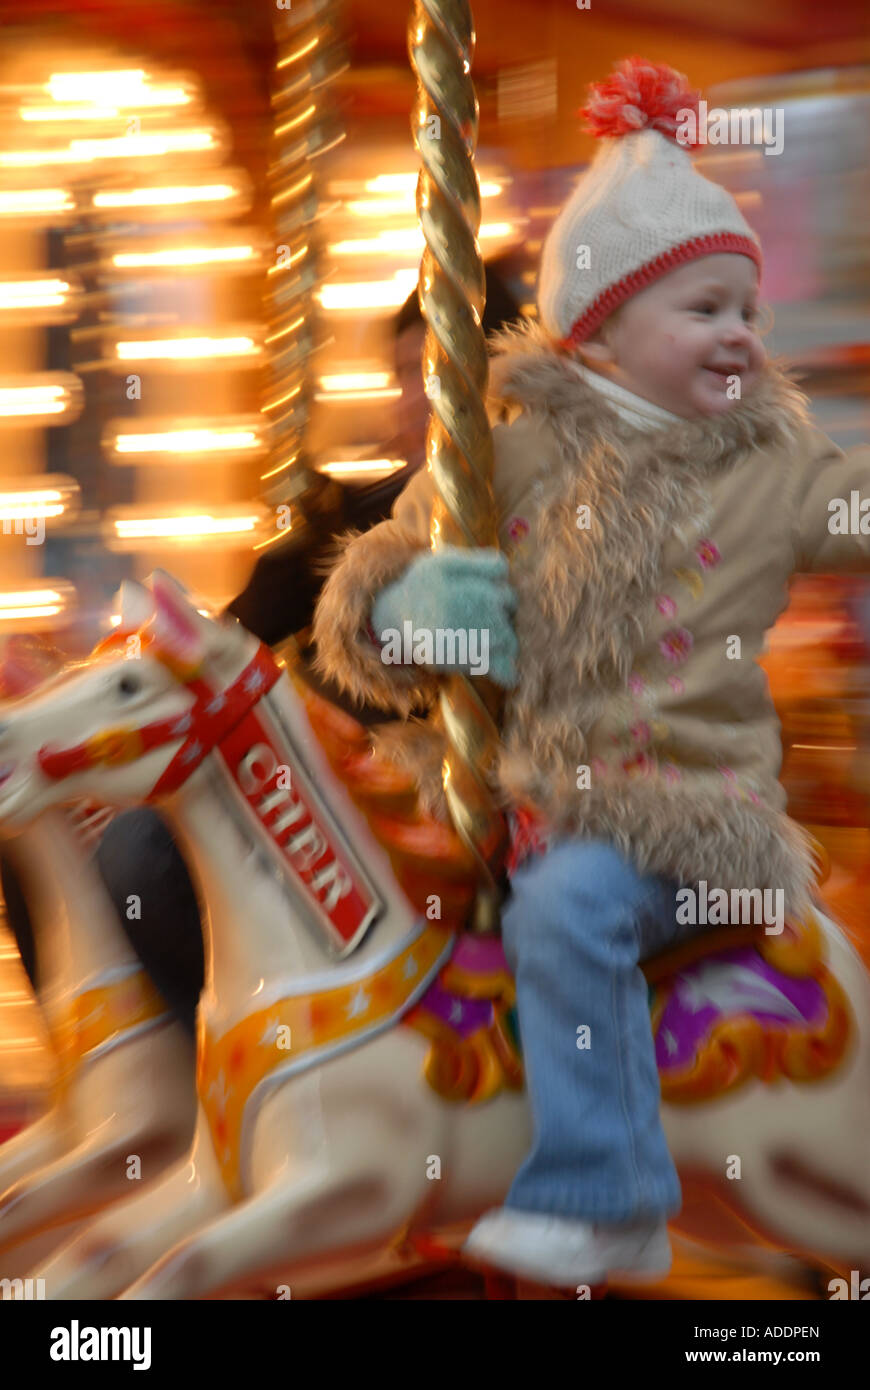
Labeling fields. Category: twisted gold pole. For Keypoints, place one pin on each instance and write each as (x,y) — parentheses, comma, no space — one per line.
(452,292)
(305,125)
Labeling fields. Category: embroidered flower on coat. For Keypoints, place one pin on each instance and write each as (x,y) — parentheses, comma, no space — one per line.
(636,685)
(676,645)
(518,528)
(666,606)
(676,685)
(640,732)
(708,554)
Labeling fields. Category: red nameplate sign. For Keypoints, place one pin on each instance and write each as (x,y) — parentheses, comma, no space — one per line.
(302,830)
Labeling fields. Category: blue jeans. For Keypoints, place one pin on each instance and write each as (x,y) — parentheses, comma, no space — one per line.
(580,918)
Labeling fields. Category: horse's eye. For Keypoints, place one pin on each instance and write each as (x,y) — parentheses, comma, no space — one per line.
(129,684)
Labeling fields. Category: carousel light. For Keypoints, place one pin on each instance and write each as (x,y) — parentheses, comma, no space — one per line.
(293,192)
(36,293)
(169,196)
(229,527)
(23,159)
(381,207)
(279,468)
(285,331)
(276,402)
(109,89)
(184,257)
(392,183)
(140,146)
(369,294)
(186,349)
(297,53)
(181,527)
(106,84)
(407,183)
(357,386)
(361,470)
(38,600)
(40,396)
(38,611)
(296,121)
(407,240)
(146,146)
(56,495)
(24,202)
(192,440)
(68,113)
(36,299)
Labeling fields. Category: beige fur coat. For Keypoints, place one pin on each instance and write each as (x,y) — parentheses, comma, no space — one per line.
(641,716)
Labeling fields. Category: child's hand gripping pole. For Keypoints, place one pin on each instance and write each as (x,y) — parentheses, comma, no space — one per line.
(457,593)
(453,606)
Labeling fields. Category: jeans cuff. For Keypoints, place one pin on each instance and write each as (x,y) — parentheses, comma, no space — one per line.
(610,1208)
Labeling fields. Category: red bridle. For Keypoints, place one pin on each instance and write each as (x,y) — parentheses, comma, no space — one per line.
(203,727)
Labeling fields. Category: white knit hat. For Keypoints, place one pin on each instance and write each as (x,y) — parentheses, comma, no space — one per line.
(640,210)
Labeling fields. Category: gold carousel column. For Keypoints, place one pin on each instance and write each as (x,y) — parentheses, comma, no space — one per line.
(305,126)
(452,291)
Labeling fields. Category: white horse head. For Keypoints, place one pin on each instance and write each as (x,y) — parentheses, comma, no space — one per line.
(112,726)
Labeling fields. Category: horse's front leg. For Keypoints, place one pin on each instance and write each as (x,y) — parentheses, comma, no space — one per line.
(82,1181)
(269,1233)
(115,1249)
(338,1168)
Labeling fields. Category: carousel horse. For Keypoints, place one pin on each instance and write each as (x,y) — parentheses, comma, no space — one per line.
(359,1068)
(124,1077)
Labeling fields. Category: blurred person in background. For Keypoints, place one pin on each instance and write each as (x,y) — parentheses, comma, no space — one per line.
(137,853)
(282,591)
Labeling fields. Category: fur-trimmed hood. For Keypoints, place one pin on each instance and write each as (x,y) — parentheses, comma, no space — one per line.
(529,368)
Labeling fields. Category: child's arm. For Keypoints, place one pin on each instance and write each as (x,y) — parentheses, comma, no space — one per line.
(366,564)
(830,532)
(348,651)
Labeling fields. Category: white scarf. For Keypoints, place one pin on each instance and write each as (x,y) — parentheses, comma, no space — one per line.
(634,409)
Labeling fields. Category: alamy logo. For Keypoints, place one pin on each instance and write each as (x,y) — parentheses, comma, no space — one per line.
(33,527)
(850,518)
(741,907)
(76,1343)
(740,126)
(463,648)
(22,1288)
(857,1288)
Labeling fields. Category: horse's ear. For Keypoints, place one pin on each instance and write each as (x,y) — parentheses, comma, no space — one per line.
(135,605)
(179,632)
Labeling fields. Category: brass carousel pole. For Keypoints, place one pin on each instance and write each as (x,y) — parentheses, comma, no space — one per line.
(452,293)
(305,125)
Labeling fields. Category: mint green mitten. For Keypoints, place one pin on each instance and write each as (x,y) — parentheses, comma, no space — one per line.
(458,603)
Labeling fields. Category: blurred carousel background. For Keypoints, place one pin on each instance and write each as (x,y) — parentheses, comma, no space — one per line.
(207,229)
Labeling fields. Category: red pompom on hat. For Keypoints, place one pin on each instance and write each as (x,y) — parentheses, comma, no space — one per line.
(639,96)
(641,210)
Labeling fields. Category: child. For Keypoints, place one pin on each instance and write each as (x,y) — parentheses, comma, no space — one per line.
(659,486)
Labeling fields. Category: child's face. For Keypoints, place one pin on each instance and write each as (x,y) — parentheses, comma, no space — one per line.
(681,343)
